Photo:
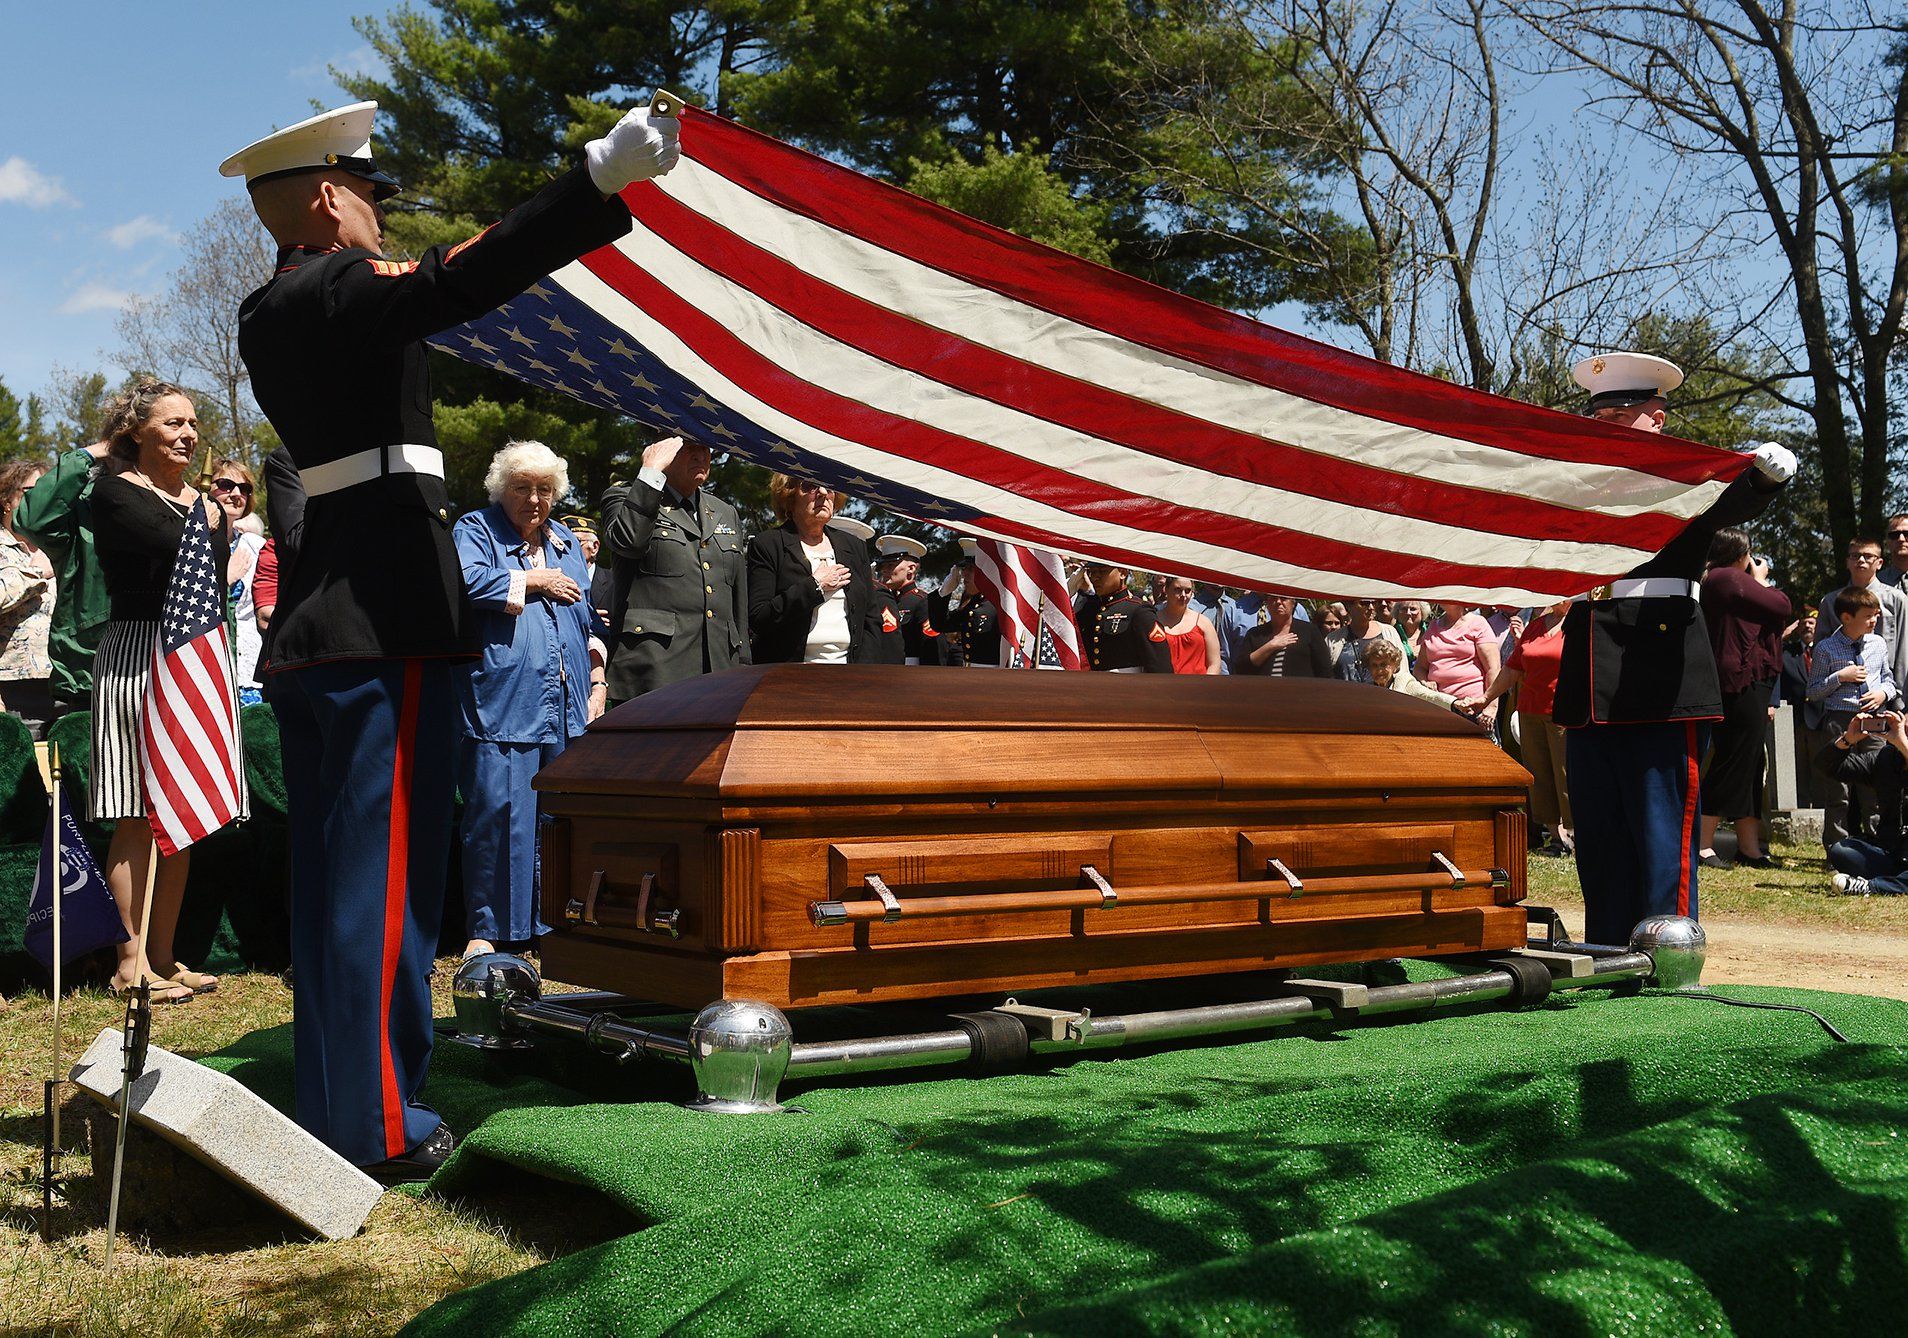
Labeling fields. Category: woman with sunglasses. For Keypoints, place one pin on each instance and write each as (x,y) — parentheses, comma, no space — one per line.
(233,489)
(811,590)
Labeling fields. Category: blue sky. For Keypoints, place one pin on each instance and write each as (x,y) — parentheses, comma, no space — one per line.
(114,117)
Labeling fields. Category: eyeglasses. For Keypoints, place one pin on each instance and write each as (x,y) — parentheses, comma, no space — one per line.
(1898,534)
(808,486)
(1864,557)
(232,485)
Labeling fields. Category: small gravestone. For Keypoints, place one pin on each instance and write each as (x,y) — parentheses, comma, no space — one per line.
(216,1120)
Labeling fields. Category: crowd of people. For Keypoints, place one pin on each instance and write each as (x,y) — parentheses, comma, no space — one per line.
(577,615)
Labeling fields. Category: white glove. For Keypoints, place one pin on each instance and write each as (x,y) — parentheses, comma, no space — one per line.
(638,147)
(1777,463)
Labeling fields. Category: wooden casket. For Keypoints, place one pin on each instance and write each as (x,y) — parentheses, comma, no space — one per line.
(820,834)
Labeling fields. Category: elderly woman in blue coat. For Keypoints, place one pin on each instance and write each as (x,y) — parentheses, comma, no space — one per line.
(539,683)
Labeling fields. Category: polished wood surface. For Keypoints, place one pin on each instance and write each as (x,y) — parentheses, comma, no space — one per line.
(695,831)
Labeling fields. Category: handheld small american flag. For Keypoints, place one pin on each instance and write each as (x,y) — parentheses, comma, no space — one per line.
(1029,588)
(188,736)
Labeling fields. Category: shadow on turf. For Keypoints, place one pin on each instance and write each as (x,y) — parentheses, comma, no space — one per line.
(1734,1216)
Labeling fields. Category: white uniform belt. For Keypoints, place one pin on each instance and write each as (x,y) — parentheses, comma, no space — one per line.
(1134,669)
(1655,587)
(912,659)
(363,466)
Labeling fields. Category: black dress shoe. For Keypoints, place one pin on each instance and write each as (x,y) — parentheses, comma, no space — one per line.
(1759,861)
(417,1164)
(1716,862)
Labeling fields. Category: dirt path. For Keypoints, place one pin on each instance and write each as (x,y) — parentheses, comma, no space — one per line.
(1746,951)
(1751,952)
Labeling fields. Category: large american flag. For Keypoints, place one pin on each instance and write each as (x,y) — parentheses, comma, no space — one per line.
(799,315)
(1028,588)
(189,742)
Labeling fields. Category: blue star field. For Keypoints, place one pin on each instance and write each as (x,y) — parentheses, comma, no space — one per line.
(549,338)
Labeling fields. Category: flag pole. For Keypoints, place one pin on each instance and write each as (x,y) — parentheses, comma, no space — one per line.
(137,1013)
(58,875)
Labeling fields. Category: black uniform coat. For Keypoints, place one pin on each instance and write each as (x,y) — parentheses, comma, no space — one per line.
(1647,660)
(921,635)
(783,596)
(681,601)
(972,630)
(1121,632)
(334,346)
(891,644)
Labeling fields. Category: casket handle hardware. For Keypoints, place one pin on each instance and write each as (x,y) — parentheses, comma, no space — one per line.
(667,922)
(1439,858)
(1292,880)
(1093,877)
(887,908)
(584,912)
(890,904)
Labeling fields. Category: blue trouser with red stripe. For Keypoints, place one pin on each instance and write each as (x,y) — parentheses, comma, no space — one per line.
(1635,795)
(368,747)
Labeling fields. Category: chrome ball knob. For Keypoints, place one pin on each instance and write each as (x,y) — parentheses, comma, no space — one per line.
(479,991)
(1677,946)
(739,1049)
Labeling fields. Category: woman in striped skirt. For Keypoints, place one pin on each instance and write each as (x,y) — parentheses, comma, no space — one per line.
(140,503)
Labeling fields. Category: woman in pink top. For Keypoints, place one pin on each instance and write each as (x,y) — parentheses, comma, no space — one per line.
(1459,655)
(1530,676)
(1191,639)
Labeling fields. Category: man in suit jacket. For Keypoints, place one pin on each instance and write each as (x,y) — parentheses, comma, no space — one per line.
(680,606)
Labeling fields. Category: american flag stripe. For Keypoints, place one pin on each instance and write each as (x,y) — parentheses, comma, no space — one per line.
(809,319)
(1146,316)
(1028,590)
(189,753)
(1029,502)
(950,401)
(1205,416)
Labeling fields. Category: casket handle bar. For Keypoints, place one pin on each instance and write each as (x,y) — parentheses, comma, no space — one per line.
(1292,880)
(1097,893)
(651,917)
(1443,861)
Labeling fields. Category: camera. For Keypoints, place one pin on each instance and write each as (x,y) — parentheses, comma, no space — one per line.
(1871,724)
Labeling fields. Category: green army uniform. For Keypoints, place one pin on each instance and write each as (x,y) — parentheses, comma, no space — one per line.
(57,515)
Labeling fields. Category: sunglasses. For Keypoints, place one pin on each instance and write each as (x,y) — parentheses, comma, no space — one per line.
(232,485)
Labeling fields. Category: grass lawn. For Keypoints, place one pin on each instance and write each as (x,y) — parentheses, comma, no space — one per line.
(415,1250)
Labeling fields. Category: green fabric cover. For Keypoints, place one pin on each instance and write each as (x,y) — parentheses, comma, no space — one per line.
(1595,1165)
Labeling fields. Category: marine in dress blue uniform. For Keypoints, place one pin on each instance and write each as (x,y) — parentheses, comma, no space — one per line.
(1637,688)
(372,621)
(521,704)
(1120,631)
(915,638)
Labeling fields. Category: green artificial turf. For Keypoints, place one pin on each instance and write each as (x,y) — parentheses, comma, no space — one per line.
(1596,1165)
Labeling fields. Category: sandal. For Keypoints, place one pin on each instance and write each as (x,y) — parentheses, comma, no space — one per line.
(196,981)
(160,991)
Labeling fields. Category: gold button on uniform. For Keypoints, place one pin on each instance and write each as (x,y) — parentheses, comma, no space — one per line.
(708,613)
(705,566)
(443,513)
(708,589)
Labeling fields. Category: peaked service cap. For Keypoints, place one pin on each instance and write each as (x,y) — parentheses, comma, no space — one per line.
(339,139)
(1622,379)
(861,529)
(891,546)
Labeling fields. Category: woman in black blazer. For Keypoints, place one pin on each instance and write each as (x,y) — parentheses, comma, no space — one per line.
(811,590)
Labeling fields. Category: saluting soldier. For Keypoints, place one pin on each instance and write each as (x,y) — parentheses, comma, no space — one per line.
(967,619)
(681,603)
(1121,632)
(897,568)
(1638,687)
(372,620)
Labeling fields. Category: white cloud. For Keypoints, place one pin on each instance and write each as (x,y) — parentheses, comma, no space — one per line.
(23,183)
(133,231)
(354,64)
(94,296)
